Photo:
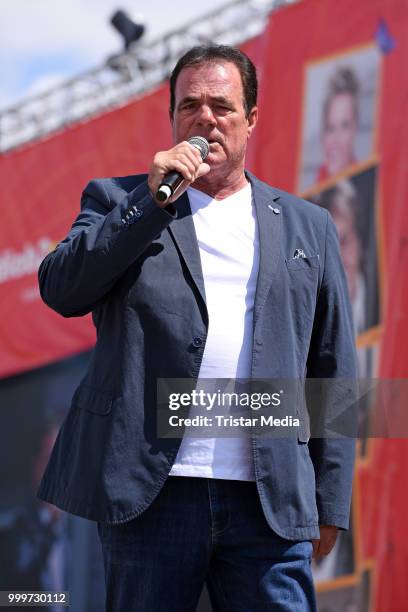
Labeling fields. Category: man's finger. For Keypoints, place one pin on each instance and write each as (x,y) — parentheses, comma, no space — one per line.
(326,545)
(203,169)
(328,536)
(315,544)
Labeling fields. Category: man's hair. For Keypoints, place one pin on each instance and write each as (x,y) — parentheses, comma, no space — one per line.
(214,54)
(343,81)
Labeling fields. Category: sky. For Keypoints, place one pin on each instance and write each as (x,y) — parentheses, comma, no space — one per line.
(44,42)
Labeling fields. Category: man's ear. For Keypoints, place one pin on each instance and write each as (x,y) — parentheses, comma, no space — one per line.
(252,119)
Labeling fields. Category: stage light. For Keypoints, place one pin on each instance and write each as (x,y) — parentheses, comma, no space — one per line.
(130,31)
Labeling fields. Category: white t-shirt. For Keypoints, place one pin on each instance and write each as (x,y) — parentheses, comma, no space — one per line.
(228,242)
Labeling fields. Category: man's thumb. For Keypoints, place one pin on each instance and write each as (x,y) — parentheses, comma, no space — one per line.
(203,169)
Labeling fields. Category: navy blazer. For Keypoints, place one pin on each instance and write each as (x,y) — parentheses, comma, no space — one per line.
(137,268)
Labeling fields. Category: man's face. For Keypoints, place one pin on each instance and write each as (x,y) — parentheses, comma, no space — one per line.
(209,102)
(339,133)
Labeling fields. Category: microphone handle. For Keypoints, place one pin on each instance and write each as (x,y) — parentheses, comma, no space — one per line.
(169,185)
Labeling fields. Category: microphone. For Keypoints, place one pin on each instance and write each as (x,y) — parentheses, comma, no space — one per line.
(173,179)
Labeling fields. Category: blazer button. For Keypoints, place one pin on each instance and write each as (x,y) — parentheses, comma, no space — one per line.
(197,342)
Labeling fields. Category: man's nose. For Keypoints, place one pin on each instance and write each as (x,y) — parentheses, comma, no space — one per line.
(206,116)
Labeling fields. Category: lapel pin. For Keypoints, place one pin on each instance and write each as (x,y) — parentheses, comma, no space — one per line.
(275,210)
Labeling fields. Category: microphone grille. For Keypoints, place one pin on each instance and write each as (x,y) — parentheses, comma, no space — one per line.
(201,144)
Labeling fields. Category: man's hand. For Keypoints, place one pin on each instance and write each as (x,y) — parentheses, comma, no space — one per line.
(183,158)
(328,536)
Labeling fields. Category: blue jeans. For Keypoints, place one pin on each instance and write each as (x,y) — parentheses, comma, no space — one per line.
(201,530)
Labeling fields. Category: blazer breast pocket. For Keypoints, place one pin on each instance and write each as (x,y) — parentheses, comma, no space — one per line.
(302,278)
(303,263)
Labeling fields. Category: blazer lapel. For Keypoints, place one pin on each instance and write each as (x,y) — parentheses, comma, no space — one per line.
(269,215)
(183,233)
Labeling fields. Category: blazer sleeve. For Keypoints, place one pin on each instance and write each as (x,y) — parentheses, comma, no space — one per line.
(332,358)
(106,237)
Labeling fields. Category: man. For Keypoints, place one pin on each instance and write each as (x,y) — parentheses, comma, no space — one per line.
(233,279)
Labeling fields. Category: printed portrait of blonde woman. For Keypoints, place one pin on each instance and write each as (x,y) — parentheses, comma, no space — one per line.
(339,123)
